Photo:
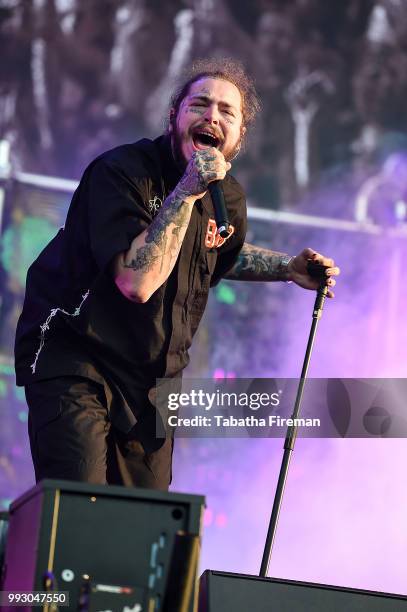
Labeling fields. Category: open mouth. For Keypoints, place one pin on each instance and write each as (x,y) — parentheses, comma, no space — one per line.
(203,139)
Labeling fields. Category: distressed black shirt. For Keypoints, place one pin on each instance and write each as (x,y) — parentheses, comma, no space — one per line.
(76,321)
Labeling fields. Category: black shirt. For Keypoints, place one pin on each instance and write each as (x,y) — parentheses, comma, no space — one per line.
(76,321)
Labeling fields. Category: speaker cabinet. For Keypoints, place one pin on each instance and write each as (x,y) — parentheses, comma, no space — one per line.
(93,539)
(224,592)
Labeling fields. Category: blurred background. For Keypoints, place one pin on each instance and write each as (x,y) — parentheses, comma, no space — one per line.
(325,166)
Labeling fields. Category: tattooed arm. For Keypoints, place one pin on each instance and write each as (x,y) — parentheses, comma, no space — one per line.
(152,255)
(258,264)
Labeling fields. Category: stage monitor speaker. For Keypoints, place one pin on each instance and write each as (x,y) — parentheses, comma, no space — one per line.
(224,592)
(110,547)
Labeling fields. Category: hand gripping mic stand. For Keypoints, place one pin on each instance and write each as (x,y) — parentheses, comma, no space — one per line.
(316,271)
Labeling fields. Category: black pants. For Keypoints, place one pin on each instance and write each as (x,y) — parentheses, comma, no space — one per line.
(72,438)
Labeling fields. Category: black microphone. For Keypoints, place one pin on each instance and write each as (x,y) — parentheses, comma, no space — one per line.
(221,214)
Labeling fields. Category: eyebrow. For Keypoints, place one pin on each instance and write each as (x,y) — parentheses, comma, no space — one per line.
(205,98)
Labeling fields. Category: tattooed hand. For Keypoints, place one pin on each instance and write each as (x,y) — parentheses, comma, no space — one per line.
(204,166)
(297,270)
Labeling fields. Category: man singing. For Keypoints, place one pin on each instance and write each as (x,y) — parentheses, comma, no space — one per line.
(113,301)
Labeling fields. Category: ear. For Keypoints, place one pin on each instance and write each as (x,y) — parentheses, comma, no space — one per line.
(243,131)
(172,119)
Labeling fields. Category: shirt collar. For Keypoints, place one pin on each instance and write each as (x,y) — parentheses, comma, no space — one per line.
(170,170)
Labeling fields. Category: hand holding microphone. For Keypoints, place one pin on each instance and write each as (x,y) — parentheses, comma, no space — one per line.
(205,171)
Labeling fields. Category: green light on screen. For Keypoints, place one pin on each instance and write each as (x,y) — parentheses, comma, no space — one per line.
(22,243)
(3,388)
(225,294)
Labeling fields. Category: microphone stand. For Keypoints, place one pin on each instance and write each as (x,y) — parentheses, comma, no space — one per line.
(318,271)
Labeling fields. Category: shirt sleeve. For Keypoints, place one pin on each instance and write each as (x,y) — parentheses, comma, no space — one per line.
(117,212)
(224,263)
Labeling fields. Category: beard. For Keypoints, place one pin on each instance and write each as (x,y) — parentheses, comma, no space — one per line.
(176,144)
